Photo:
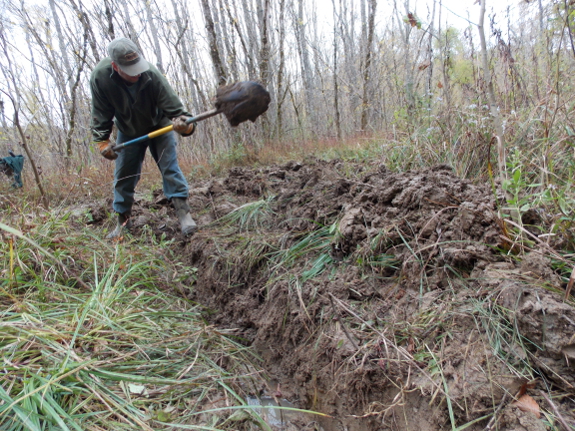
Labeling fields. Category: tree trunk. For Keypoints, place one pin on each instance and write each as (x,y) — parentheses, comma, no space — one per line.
(280,72)
(10,76)
(62,44)
(408,64)
(250,25)
(72,118)
(154,36)
(264,43)
(306,73)
(219,68)
(229,44)
(132,33)
(428,92)
(3,116)
(29,154)
(181,48)
(248,58)
(109,15)
(85,20)
(337,122)
(367,64)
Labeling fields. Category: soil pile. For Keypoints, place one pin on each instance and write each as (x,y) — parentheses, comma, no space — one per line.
(383,299)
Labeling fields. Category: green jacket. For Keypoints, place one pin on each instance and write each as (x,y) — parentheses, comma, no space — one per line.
(154,105)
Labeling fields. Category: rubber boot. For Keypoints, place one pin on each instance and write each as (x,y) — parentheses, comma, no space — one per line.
(187,223)
(124,225)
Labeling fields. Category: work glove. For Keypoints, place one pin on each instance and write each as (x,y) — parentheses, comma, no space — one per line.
(183,128)
(106,150)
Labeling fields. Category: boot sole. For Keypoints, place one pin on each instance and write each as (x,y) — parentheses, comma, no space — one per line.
(190,231)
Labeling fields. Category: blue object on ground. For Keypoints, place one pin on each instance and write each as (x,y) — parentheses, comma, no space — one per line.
(13,165)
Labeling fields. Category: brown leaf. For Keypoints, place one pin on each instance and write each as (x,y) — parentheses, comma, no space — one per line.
(529,384)
(527,404)
(424,65)
(412,20)
(439,84)
(411,345)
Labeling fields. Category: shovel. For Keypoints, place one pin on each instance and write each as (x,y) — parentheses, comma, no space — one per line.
(239,102)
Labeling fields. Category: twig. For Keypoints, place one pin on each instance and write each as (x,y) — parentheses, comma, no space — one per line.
(554,408)
(399,349)
(351,340)
(539,241)
(493,420)
(570,284)
(555,376)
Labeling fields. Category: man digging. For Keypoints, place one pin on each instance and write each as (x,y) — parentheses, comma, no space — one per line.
(131,93)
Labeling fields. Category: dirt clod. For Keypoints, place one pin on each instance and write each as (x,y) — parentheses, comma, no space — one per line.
(242,101)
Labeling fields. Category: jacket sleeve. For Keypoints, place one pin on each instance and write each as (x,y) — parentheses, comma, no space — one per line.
(168,100)
(102,113)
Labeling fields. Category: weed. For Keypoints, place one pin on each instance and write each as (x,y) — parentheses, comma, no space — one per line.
(250,216)
(117,352)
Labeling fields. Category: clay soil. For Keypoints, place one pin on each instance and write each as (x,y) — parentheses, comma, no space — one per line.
(390,301)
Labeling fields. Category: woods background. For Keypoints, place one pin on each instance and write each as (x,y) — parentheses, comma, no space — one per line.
(358,70)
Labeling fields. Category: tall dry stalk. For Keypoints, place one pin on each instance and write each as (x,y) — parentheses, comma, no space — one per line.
(494,108)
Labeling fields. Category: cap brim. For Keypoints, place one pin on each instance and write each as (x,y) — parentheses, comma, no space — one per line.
(135,69)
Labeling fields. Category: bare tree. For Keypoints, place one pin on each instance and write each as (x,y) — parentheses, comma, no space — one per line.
(299,24)
(10,78)
(405,30)
(263,12)
(73,111)
(281,93)
(131,32)
(228,41)
(62,44)
(108,14)
(247,55)
(154,35)
(336,25)
(367,63)
(220,70)
(85,20)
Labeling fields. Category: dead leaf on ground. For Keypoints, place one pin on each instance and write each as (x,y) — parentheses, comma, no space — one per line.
(526,403)
(529,384)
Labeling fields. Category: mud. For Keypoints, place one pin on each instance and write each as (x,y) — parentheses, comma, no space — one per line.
(390,301)
(242,101)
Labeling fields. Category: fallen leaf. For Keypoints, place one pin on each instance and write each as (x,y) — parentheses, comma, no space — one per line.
(137,389)
(530,384)
(411,345)
(527,404)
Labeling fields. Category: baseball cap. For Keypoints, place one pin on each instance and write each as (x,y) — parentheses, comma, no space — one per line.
(127,56)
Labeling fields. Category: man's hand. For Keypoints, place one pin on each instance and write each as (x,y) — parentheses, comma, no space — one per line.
(183,128)
(106,150)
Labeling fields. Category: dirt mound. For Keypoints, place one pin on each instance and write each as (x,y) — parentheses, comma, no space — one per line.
(381,298)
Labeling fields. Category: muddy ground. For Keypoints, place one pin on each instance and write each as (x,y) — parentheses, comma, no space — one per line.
(390,301)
